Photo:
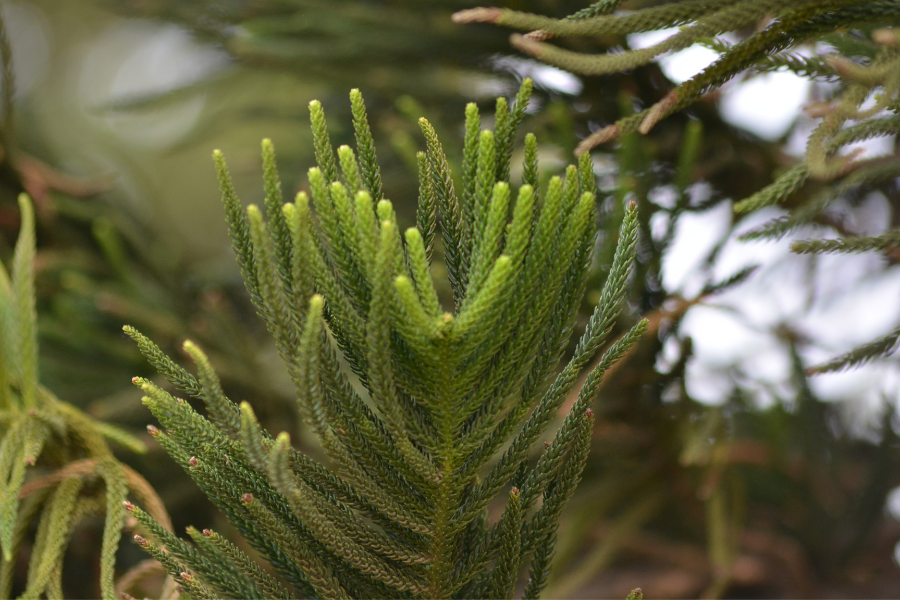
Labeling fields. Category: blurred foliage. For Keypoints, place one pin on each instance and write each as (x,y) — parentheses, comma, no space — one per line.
(779,24)
(848,43)
(56,467)
(392,47)
(734,500)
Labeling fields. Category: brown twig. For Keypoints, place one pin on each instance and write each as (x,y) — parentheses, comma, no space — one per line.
(476,15)
(141,488)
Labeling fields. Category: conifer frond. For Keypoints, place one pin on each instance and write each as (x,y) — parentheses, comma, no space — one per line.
(48,543)
(881,243)
(530,169)
(541,533)
(253,582)
(322,143)
(445,391)
(238,228)
(880,348)
(784,186)
(371,172)
(449,210)
(426,214)
(25,315)
(471,152)
(814,67)
(173,372)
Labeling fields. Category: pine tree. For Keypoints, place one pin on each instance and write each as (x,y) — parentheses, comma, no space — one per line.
(449,404)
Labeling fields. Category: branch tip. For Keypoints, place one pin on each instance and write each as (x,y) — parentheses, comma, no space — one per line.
(528,45)
(477,15)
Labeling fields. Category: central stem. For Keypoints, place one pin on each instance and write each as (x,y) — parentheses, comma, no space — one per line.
(445,506)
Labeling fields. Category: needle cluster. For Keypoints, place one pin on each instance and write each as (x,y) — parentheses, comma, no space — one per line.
(426,413)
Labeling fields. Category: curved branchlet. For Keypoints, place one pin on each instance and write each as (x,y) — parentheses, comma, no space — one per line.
(449,210)
(426,215)
(365,145)
(441,395)
(471,152)
(321,141)
(883,347)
